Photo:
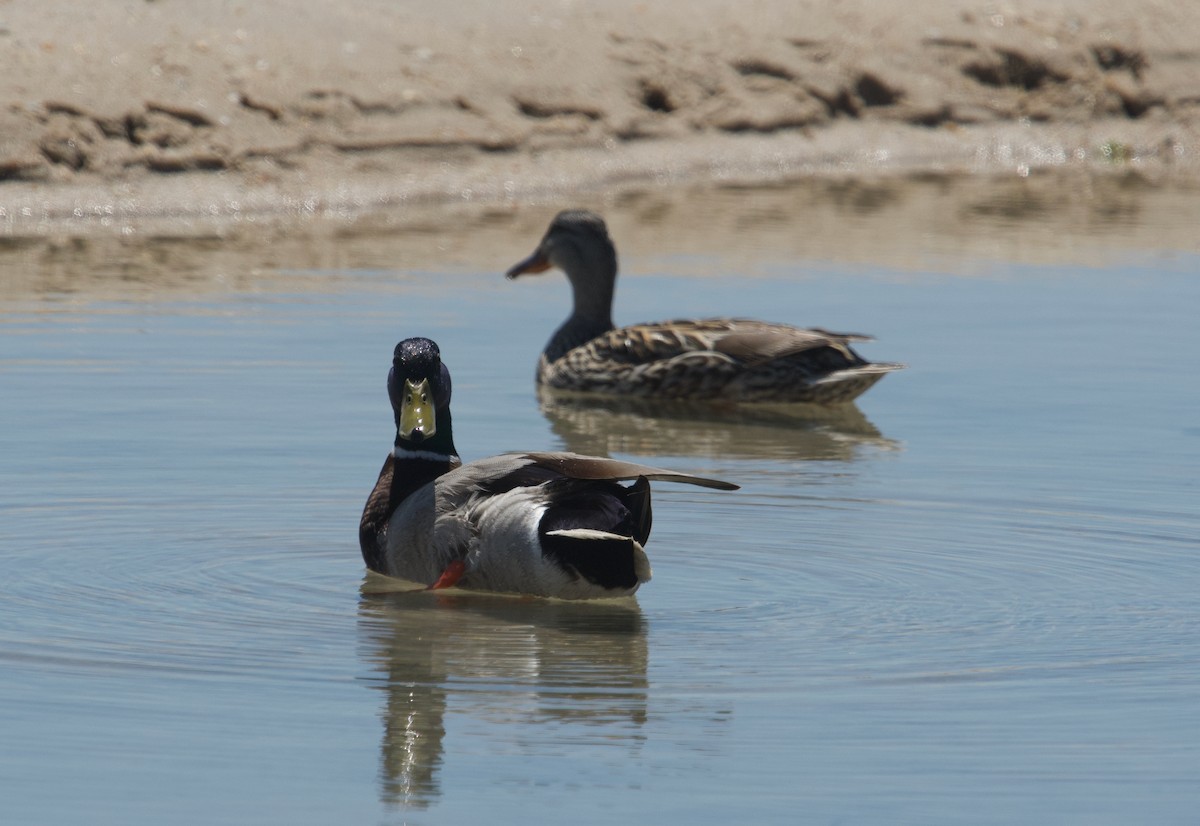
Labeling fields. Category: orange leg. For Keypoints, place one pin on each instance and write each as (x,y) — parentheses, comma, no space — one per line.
(453,573)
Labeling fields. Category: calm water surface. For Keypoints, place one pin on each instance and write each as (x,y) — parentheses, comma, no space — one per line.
(972,599)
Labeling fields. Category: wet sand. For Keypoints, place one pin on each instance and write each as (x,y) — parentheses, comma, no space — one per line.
(169,118)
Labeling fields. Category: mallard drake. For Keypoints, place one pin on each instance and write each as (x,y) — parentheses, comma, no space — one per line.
(549,524)
(712,359)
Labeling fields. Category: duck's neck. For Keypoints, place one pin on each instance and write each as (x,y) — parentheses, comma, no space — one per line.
(419,463)
(409,468)
(591,315)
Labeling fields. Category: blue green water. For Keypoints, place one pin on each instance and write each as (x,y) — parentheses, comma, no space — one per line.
(973,601)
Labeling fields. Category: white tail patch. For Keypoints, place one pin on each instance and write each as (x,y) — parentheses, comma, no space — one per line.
(641,564)
(586,533)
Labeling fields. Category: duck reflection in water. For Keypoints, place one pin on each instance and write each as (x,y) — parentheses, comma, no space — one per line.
(512,662)
(604,425)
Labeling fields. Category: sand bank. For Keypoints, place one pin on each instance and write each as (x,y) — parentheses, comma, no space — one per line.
(125,116)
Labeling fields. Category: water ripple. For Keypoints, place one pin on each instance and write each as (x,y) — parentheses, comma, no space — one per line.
(914,590)
(194,604)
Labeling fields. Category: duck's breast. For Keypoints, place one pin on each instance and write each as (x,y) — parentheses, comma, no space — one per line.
(412,549)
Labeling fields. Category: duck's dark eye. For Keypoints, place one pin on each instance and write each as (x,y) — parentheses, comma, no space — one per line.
(408,398)
(424,398)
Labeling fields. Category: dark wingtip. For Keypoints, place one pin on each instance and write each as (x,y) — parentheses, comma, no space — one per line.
(578,466)
(715,484)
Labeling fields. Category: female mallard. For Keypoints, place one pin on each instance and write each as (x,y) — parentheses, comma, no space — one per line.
(550,524)
(713,359)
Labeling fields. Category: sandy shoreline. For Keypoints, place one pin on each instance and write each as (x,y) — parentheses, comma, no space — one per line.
(176,118)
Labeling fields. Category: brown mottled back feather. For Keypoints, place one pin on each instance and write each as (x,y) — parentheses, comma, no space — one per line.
(718,359)
(714,359)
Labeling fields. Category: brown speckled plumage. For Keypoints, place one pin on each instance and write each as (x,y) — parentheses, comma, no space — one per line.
(715,359)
